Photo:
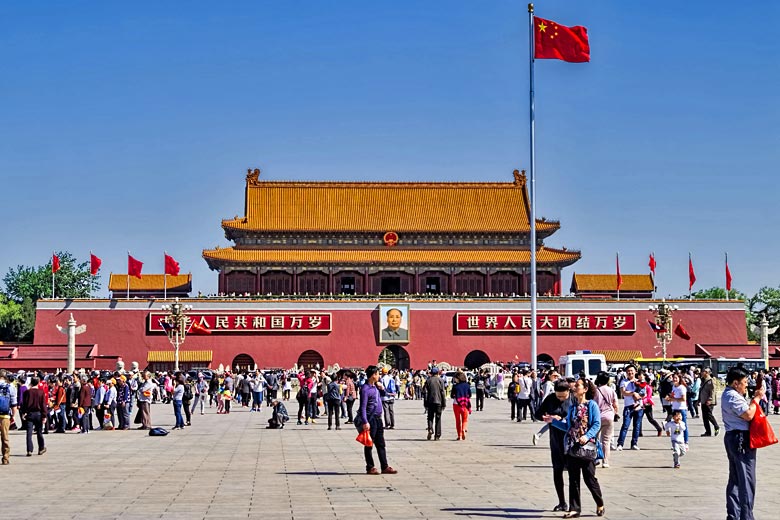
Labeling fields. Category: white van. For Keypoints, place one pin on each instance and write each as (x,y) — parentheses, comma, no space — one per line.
(582,361)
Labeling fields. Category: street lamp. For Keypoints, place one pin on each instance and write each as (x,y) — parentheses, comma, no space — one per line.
(663,318)
(176,327)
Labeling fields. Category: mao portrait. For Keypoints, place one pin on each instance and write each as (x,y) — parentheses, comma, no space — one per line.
(393,323)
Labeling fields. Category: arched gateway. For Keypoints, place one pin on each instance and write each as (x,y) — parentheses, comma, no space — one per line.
(475,359)
(396,356)
(311,359)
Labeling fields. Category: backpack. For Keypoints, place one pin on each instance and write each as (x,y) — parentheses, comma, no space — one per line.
(187,393)
(5,400)
(334,393)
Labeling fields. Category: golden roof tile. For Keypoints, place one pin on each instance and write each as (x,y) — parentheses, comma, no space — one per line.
(388,256)
(185,356)
(150,282)
(404,207)
(608,282)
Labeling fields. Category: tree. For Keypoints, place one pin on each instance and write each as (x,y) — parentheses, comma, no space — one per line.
(14,324)
(717,293)
(73,280)
(766,302)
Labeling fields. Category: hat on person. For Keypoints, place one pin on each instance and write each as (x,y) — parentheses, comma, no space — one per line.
(435,370)
(384,370)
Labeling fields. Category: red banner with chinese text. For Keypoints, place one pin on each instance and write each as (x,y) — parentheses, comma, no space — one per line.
(546,322)
(252,322)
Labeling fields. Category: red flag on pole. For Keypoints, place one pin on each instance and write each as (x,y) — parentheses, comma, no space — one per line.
(197,328)
(171,266)
(680,331)
(134,267)
(55,263)
(94,264)
(691,274)
(651,264)
(555,41)
(619,277)
(728,275)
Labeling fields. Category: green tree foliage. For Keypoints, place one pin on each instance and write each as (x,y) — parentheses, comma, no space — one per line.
(766,302)
(13,325)
(717,293)
(73,280)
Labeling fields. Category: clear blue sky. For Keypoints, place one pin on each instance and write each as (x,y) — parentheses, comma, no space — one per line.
(130,126)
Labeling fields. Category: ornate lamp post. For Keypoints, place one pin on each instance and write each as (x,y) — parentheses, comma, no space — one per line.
(176,327)
(663,318)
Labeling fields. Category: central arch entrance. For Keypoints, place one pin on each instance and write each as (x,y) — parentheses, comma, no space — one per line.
(243,362)
(475,359)
(311,359)
(396,356)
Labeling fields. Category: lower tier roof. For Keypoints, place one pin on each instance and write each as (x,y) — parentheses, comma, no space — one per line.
(388,256)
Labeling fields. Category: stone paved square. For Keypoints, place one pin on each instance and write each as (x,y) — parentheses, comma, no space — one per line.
(230,467)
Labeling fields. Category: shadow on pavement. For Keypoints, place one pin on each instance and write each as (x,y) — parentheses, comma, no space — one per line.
(494,512)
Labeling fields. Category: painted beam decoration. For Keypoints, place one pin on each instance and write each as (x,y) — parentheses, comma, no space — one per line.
(218,322)
(546,322)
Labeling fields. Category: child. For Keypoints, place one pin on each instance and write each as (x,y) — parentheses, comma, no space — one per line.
(675,429)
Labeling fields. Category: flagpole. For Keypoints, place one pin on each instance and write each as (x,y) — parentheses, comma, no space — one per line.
(532,180)
(165,277)
(690,286)
(90,272)
(727,282)
(617,277)
(128,274)
(52,274)
(653,271)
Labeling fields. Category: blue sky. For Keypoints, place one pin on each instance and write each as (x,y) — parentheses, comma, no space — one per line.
(131,126)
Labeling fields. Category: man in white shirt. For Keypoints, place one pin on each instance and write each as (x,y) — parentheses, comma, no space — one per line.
(631,397)
(389,391)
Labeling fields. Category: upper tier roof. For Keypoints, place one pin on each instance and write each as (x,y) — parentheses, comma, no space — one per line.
(403,207)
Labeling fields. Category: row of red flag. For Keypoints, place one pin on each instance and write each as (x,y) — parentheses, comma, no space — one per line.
(691,273)
(134,266)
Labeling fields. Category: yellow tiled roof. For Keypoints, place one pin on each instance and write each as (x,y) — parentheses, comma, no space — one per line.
(608,282)
(478,207)
(388,255)
(619,356)
(150,282)
(185,356)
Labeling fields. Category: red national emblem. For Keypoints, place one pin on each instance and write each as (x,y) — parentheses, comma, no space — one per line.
(391,238)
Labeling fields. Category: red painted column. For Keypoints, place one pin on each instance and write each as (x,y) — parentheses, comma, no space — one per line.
(366,281)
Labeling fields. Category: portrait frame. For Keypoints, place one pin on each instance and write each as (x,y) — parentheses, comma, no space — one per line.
(386,336)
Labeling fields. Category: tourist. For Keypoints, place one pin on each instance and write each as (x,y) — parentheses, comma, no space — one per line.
(257,386)
(286,387)
(607,401)
(123,400)
(461,404)
(109,405)
(536,394)
(85,403)
(775,391)
(548,387)
(332,399)
(244,389)
(145,393)
(737,413)
(34,411)
(213,390)
(279,415)
(675,429)
(632,409)
(227,391)
(73,391)
(8,405)
(480,386)
(708,400)
(201,393)
(186,400)
(500,384)
(556,405)
(582,425)
(680,402)
(271,387)
(524,397)
(177,397)
(98,396)
(312,410)
(303,402)
(693,394)
(389,390)
(370,419)
(512,396)
(349,395)
(647,402)
(435,400)
(664,389)
(59,404)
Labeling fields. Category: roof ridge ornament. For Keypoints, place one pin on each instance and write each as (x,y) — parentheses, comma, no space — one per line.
(253,177)
(520,178)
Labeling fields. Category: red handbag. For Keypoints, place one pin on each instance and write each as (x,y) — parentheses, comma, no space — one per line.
(364,438)
(761,433)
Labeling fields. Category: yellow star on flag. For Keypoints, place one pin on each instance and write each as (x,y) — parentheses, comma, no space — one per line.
(542,27)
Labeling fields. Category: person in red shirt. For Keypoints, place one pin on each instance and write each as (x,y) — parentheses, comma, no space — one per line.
(58,404)
(35,408)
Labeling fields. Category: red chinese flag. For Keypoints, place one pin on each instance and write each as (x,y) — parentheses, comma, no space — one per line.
(55,263)
(728,276)
(94,264)
(691,274)
(680,331)
(651,264)
(171,266)
(558,42)
(197,328)
(619,277)
(134,267)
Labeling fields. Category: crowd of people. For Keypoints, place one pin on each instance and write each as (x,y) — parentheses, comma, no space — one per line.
(579,414)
